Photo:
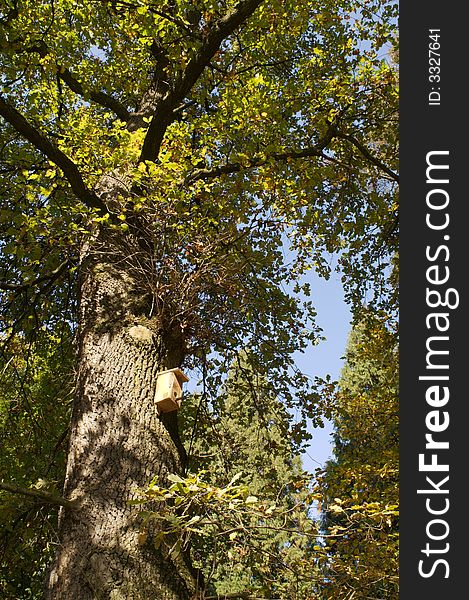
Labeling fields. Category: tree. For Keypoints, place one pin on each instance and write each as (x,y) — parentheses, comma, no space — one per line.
(245,433)
(155,159)
(36,388)
(360,486)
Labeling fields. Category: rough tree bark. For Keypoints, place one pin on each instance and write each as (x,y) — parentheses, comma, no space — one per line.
(118,443)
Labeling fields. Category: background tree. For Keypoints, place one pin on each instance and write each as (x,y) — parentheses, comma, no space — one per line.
(246,431)
(360,487)
(155,159)
(36,388)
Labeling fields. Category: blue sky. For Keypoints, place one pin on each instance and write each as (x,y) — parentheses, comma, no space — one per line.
(334,317)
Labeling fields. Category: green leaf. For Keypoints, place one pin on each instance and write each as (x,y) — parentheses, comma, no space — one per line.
(251,500)
(175,478)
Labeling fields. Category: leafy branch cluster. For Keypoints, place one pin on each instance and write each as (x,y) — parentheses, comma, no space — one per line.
(238,525)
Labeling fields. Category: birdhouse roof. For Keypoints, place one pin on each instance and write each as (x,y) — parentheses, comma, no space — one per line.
(177,372)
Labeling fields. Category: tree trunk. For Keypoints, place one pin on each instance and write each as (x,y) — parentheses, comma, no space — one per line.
(118,443)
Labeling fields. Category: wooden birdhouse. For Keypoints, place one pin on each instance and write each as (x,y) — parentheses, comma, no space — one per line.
(168,393)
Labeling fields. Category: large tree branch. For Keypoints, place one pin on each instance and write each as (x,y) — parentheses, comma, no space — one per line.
(98,97)
(54,154)
(369,156)
(258,161)
(255,162)
(43,497)
(164,113)
(76,86)
(224,28)
(308,152)
(50,277)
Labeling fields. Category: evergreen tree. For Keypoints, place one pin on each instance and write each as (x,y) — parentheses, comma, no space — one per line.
(359,486)
(246,431)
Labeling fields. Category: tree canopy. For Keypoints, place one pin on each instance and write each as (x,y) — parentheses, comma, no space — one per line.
(229,129)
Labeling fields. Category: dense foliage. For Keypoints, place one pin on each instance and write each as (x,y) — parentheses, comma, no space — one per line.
(36,388)
(360,487)
(245,434)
